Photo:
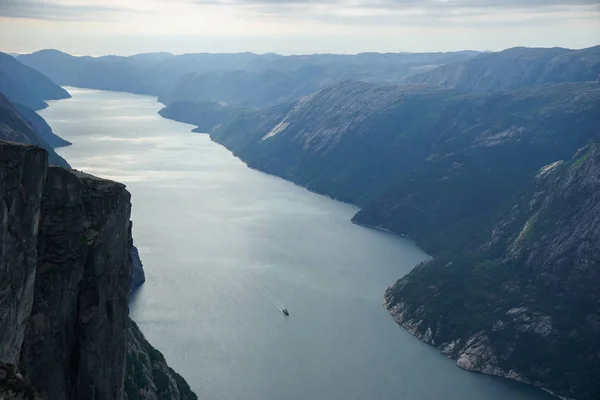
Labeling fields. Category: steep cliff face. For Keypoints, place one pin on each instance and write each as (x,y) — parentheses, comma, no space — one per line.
(525,305)
(65,272)
(76,339)
(149,377)
(13,386)
(22,176)
(138,276)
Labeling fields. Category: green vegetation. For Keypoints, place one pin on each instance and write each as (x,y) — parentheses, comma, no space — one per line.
(534,295)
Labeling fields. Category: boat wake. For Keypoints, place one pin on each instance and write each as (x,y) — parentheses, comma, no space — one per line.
(272,299)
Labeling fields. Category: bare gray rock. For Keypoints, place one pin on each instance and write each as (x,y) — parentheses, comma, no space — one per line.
(22,175)
(76,339)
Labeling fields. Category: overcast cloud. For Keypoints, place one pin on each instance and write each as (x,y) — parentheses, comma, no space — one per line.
(294,26)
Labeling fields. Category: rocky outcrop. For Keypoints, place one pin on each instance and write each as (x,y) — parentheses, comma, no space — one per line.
(138,277)
(149,377)
(13,386)
(525,306)
(22,176)
(65,272)
(76,339)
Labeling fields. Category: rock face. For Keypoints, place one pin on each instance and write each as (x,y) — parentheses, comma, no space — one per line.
(138,277)
(149,377)
(76,339)
(22,176)
(65,273)
(525,305)
(13,386)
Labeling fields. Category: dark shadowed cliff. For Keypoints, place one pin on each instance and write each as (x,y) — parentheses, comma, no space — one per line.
(65,273)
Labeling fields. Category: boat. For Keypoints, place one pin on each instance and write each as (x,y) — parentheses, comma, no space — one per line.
(285,311)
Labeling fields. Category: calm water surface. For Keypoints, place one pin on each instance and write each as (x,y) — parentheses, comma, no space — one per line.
(224,246)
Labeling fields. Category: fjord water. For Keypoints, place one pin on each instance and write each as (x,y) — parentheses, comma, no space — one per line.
(224,246)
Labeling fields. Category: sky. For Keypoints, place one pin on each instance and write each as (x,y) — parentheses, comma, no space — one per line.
(125,27)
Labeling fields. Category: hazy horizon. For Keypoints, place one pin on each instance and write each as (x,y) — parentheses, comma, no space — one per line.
(93,27)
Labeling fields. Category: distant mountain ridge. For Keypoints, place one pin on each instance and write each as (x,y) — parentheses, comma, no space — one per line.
(25,85)
(243,79)
(516,68)
(15,127)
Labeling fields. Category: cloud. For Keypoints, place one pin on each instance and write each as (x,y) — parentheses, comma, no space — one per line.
(303,13)
(415,12)
(81,10)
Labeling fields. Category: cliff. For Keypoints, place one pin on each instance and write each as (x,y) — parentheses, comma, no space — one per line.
(65,273)
(525,305)
(76,339)
(138,276)
(22,175)
(149,377)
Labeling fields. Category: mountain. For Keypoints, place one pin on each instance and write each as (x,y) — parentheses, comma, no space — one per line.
(41,127)
(356,141)
(454,172)
(16,128)
(525,304)
(205,115)
(243,79)
(516,68)
(24,85)
(65,259)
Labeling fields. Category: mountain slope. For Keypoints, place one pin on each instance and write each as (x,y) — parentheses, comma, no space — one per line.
(525,305)
(41,127)
(516,68)
(243,79)
(24,85)
(356,141)
(454,172)
(14,127)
